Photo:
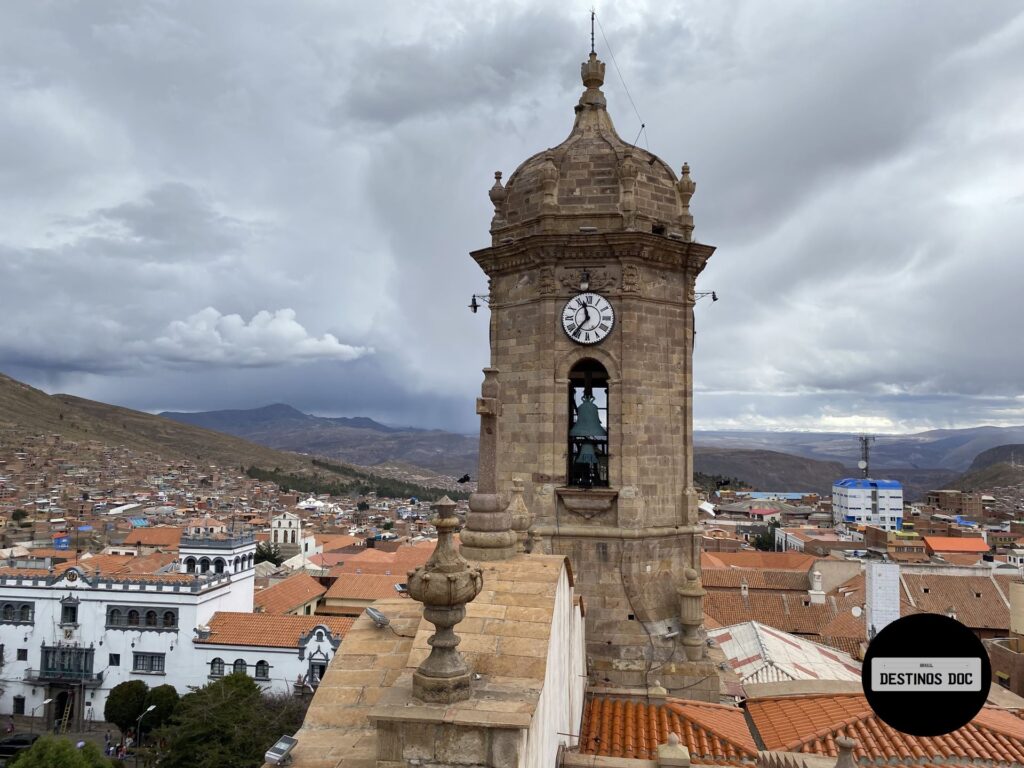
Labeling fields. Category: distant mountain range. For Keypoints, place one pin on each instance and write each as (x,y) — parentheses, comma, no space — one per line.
(25,411)
(767,460)
(999,467)
(951,449)
(357,440)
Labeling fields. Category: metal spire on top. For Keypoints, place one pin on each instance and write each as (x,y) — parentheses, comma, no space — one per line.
(592,14)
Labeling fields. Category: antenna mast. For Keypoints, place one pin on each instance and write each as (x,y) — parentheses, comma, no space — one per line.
(865,450)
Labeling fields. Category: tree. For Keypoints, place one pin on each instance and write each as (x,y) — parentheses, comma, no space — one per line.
(766,541)
(50,752)
(18,515)
(268,552)
(228,724)
(125,703)
(166,699)
(362,506)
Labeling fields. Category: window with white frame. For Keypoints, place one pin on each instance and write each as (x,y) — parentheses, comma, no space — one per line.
(148,662)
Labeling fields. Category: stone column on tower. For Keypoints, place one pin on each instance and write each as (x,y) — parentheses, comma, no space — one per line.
(488,533)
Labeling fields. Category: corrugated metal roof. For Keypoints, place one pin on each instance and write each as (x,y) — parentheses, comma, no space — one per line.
(760,654)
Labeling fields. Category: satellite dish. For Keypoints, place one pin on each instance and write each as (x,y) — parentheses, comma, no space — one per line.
(857,611)
(862,464)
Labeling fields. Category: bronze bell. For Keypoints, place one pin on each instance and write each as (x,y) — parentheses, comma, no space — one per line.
(588,421)
(587,454)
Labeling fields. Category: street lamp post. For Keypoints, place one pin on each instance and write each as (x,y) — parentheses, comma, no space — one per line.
(138,732)
(32,719)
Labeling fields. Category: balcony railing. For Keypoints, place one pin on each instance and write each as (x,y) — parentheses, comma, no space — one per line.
(218,541)
(63,676)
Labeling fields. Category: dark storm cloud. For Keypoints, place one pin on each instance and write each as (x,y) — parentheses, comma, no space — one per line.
(283,197)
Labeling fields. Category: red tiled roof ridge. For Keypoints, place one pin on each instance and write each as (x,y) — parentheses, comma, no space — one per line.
(630,727)
(749,750)
(685,708)
(805,696)
(976,741)
(828,731)
(705,704)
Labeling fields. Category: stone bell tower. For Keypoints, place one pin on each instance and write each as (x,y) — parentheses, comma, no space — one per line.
(588,397)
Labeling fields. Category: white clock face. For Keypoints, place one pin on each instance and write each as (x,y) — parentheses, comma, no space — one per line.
(588,318)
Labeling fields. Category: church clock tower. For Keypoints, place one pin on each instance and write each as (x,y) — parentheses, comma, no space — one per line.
(587,403)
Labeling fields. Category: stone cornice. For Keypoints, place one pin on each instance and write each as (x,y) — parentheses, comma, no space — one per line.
(592,249)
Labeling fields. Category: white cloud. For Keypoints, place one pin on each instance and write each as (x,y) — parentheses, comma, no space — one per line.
(858,167)
(269,339)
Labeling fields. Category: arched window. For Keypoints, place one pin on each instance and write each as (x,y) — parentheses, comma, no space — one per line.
(240,666)
(169,619)
(26,613)
(190,565)
(588,425)
(262,670)
(133,618)
(217,667)
(114,618)
(218,565)
(293,537)
(319,636)
(249,561)
(204,565)
(150,618)
(8,612)
(237,561)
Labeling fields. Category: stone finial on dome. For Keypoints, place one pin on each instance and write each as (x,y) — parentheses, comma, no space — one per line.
(685,188)
(592,72)
(498,193)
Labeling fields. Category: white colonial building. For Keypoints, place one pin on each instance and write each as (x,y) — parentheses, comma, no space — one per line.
(286,533)
(71,634)
(865,501)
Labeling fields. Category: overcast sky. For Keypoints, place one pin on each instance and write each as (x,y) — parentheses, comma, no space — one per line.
(228,204)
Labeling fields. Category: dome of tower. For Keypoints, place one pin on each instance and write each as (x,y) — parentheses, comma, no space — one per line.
(593,179)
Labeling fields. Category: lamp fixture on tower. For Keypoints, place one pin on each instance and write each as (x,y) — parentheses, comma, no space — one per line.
(474,305)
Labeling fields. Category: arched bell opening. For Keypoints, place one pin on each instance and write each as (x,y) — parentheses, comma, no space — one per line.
(588,425)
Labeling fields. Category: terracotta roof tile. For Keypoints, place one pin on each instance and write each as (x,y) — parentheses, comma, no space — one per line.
(268,630)
(955,544)
(782,720)
(756,578)
(977,600)
(785,611)
(165,536)
(632,728)
(334,541)
(810,724)
(364,587)
(289,594)
(795,561)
